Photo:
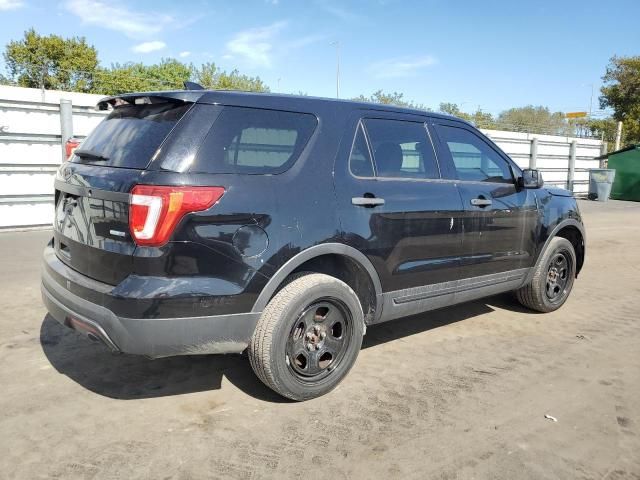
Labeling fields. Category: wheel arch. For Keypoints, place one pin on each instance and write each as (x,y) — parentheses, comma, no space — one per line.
(573,231)
(340,261)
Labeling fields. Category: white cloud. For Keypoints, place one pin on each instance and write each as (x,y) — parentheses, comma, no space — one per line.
(303,41)
(401,67)
(255,45)
(11,4)
(118,17)
(148,47)
(340,12)
(184,54)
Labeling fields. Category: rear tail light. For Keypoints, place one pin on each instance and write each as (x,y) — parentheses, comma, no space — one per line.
(70,147)
(154,211)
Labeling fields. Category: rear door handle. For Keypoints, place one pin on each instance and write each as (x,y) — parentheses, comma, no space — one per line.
(367,201)
(480,202)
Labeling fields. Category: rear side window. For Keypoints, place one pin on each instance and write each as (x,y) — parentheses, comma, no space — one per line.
(360,159)
(473,158)
(255,141)
(401,149)
(131,134)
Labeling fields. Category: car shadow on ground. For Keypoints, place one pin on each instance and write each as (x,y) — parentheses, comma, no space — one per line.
(129,377)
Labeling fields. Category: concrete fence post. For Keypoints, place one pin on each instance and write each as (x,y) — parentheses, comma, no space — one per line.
(66,124)
(603,151)
(533,158)
(572,165)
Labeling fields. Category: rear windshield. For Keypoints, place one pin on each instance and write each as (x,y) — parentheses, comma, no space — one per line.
(131,134)
(254,141)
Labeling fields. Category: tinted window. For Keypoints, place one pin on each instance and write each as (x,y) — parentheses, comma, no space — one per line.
(249,140)
(360,159)
(474,159)
(131,134)
(401,149)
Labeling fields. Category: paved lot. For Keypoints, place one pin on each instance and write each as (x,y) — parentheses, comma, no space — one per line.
(460,393)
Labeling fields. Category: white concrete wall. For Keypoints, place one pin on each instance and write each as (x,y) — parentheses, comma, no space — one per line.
(553,155)
(30,151)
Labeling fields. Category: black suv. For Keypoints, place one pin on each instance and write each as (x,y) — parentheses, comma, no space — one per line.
(197,222)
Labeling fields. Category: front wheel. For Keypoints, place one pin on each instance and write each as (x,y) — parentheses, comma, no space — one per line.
(553,278)
(308,337)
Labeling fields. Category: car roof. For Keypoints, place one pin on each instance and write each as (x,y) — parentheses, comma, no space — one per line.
(300,103)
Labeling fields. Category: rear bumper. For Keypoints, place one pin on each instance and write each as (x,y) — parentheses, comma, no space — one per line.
(152,337)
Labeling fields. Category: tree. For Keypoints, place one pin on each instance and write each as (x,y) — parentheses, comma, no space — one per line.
(533,119)
(622,93)
(169,74)
(604,128)
(51,62)
(394,98)
(479,118)
(71,64)
(209,76)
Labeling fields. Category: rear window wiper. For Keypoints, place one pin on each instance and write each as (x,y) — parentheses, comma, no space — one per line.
(91,154)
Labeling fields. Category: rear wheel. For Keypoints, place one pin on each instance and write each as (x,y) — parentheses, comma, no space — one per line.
(553,278)
(308,337)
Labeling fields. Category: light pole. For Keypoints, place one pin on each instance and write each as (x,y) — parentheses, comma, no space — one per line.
(337,45)
(591,100)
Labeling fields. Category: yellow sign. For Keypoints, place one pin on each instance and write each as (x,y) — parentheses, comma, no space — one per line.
(575,114)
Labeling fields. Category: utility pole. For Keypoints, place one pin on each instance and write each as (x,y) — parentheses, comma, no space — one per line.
(618,135)
(337,45)
(278,84)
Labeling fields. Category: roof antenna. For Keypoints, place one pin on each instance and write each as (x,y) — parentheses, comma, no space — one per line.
(193,86)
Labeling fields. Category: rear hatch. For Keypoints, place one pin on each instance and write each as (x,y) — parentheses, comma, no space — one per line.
(91,226)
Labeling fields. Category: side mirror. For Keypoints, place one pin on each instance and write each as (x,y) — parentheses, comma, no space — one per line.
(531,178)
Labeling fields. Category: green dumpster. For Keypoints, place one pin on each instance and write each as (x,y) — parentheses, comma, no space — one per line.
(626,163)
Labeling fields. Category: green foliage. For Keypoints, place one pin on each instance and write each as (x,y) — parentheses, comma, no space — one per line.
(169,74)
(452,109)
(527,118)
(622,93)
(72,65)
(479,118)
(210,77)
(51,61)
(394,98)
(604,128)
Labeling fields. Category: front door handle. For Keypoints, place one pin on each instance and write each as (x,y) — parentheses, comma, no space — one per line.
(367,201)
(480,202)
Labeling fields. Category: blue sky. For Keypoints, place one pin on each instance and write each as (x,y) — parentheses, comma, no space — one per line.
(493,54)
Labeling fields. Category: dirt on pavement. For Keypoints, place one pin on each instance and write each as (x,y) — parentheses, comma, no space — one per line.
(458,393)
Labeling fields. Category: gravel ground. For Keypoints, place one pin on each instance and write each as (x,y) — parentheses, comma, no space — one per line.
(458,393)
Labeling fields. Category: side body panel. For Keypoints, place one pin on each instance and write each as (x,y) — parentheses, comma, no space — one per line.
(500,224)
(414,238)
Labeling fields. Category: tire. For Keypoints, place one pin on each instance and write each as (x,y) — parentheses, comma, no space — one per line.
(308,337)
(550,287)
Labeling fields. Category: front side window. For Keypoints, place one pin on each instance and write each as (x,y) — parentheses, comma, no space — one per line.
(473,158)
(251,140)
(401,149)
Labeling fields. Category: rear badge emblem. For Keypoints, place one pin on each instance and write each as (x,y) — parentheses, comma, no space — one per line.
(117,233)
(66,173)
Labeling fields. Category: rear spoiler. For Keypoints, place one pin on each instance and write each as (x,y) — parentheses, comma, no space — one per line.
(178,96)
